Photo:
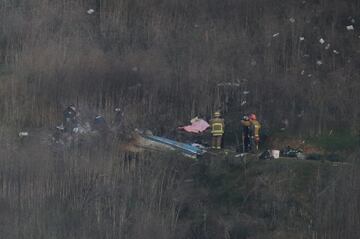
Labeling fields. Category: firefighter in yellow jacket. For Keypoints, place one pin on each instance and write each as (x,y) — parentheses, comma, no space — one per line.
(254,133)
(217,130)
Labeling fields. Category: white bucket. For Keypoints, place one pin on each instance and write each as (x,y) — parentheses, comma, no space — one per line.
(275,153)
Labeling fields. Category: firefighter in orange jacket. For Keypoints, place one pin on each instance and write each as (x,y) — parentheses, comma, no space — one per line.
(255,127)
(217,130)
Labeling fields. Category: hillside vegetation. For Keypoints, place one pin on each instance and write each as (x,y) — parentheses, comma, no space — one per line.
(163,62)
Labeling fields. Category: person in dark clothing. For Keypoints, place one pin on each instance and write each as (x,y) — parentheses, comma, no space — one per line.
(70,119)
(100,124)
(245,123)
(119,115)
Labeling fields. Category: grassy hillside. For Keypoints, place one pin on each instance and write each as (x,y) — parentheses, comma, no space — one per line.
(90,192)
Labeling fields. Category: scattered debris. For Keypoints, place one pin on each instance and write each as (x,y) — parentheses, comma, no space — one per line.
(240,155)
(327,47)
(301,38)
(290,152)
(319,62)
(276,34)
(23,134)
(135,69)
(186,149)
(90,11)
(301,156)
(292,20)
(266,155)
(322,41)
(300,115)
(336,52)
(60,127)
(232,84)
(350,28)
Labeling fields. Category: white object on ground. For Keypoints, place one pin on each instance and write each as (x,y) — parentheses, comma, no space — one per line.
(319,62)
(246,92)
(327,47)
(243,102)
(322,41)
(301,38)
(275,153)
(90,11)
(350,28)
(240,155)
(336,52)
(23,134)
(276,34)
(302,72)
(292,20)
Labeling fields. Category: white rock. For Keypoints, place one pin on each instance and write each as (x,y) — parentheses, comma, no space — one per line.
(243,103)
(276,34)
(302,72)
(319,62)
(327,47)
(292,20)
(309,75)
(301,38)
(322,41)
(336,52)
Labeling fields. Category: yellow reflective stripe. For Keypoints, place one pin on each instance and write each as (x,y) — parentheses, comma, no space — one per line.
(217,128)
